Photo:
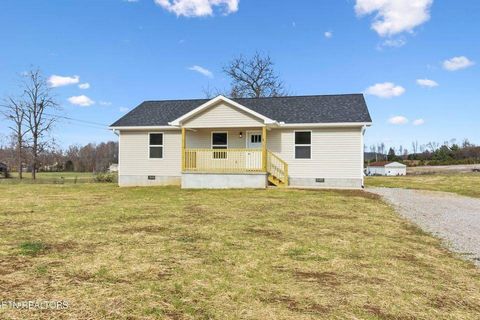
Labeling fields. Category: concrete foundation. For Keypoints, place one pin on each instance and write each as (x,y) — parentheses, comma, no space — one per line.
(223,181)
(232,181)
(134,181)
(328,183)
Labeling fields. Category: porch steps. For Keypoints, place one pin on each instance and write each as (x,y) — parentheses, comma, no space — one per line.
(277,170)
(275,181)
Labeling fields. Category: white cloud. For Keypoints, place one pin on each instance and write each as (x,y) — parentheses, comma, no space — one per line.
(395,16)
(84,86)
(82,101)
(105,103)
(418,122)
(427,83)
(397,120)
(198,8)
(457,63)
(60,81)
(124,109)
(202,70)
(328,34)
(385,90)
(394,43)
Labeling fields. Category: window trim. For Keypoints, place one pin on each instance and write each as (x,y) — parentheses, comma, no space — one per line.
(156,145)
(302,145)
(218,145)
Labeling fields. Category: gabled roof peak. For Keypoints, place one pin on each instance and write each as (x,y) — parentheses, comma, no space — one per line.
(213,102)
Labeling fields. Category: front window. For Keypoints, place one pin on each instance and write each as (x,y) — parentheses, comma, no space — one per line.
(155,145)
(256,138)
(303,144)
(219,141)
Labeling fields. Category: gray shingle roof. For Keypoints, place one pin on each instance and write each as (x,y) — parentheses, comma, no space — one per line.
(292,109)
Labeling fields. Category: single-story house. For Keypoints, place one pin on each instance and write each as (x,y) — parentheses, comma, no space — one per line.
(299,141)
(386,168)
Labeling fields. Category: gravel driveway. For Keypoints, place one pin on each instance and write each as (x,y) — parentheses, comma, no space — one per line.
(455,219)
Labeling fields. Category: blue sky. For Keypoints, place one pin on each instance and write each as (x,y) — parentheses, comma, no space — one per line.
(130,51)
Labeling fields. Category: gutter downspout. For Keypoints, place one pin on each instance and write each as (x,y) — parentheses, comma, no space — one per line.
(364,128)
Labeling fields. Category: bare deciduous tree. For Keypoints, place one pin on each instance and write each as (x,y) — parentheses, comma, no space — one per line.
(415,146)
(381,149)
(15,113)
(254,77)
(433,146)
(211,92)
(38,103)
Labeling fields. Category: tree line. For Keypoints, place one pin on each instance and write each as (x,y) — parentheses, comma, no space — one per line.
(431,153)
(88,158)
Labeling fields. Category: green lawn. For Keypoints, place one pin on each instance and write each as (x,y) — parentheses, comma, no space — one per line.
(467,184)
(166,253)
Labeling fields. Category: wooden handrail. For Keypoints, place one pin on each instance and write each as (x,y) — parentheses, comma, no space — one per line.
(223,160)
(226,150)
(234,161)
(277,167)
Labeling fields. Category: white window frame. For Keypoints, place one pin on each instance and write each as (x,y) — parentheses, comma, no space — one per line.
(302,145)
(218,145)
(156,145)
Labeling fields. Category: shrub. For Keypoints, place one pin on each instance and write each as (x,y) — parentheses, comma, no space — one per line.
(104,177)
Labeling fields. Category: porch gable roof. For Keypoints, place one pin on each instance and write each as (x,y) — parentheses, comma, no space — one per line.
(213,102)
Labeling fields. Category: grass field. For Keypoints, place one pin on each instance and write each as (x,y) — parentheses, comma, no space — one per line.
(48,175)
(467,184)
(166,253)
(51,177)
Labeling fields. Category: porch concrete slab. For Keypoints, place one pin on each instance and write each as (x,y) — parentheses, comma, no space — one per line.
(224,180)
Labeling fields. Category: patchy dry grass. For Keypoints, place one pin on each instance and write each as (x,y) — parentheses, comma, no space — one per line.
(54,178)
(166,253)
(467,184)
(52,175)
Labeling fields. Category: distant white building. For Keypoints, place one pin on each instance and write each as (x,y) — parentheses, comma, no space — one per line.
(113,167)
(385,168)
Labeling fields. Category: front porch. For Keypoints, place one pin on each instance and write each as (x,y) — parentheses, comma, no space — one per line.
(213,164)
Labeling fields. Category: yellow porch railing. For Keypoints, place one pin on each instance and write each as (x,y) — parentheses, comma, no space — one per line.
(223,160)
(236,161)
(277,169)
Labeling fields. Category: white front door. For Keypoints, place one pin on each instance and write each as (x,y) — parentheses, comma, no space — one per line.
(254,141)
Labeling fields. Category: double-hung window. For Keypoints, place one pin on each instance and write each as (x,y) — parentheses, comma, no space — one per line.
(219,141)
(303,144)
(155,145)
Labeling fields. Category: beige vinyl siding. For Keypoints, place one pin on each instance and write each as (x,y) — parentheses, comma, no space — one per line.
(222,115)
(336,152)
(134,154)
(202,138)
